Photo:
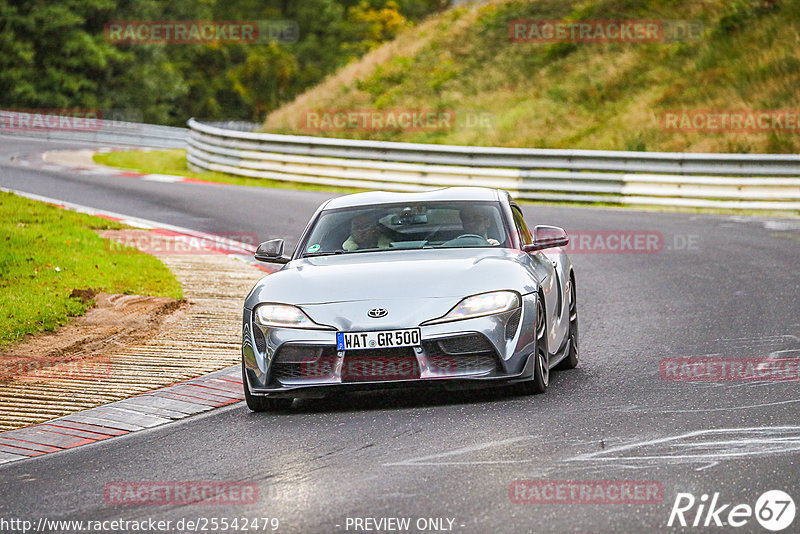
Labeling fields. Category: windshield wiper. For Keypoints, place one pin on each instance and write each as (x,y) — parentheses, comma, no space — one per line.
(327,253)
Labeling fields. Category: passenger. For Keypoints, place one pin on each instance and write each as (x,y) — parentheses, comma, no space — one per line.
(366,232)
(476,220)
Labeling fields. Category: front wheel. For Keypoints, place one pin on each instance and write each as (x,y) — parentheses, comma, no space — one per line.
(541,365)
(263,404)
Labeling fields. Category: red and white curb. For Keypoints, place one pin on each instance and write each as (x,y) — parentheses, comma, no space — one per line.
(37,161)
(165,178)
(147,410)
(151,409)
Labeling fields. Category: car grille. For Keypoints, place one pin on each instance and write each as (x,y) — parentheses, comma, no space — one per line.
(470,363)
(380,364)
(465,344)
(513,323)
(261,343)
(472,353)
(309,362)
(287,371)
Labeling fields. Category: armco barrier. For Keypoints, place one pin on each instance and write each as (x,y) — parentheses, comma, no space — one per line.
(739,181)
(743,181)
(102,131)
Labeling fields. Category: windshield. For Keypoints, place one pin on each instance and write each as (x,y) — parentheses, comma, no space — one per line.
(407,226)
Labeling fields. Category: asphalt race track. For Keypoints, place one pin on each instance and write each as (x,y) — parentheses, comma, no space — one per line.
(717,286)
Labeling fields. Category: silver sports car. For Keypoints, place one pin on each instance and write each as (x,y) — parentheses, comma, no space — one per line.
(447,287)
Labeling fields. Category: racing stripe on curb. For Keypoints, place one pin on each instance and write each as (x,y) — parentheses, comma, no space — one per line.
(39,161)
(148,410)
(106,170)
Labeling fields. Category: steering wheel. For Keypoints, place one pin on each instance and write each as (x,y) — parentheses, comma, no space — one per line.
(466,240)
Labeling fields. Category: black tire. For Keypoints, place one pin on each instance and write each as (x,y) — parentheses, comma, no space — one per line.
(571,361)
(541,366)
(264,404)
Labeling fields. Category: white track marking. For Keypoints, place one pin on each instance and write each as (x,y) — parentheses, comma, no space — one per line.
(731,408)
(425,460)
(750,441)
(721,444)
(166,178)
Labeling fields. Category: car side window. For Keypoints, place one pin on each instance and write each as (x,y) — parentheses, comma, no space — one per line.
(525,236)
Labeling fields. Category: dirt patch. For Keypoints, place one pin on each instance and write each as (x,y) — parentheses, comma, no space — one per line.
(115,321)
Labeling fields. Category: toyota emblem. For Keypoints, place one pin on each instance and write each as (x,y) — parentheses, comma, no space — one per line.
(377,313)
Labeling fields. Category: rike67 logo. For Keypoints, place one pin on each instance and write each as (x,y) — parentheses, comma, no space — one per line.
(774,510)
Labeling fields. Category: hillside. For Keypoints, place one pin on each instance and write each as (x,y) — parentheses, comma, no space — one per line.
(594,95)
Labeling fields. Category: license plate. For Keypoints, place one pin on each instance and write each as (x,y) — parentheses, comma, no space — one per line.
(378,340)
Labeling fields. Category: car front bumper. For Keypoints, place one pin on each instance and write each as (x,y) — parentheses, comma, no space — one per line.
(291,362)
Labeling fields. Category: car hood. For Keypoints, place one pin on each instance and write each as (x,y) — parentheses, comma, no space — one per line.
(396,275)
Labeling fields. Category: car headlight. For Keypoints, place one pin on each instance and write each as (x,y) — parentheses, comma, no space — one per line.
(480,305)
(285,316)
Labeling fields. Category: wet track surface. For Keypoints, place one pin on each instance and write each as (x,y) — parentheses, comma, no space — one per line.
(717,286)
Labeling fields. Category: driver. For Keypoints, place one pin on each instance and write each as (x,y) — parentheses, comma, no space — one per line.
(366,232)
(477,220)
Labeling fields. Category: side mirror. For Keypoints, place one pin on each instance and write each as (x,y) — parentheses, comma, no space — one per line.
(547,237)
(271,252)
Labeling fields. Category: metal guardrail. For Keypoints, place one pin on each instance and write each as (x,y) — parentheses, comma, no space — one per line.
(744,181)
(101,131)
(239,126)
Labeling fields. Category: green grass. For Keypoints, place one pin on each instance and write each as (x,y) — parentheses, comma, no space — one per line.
(174,162)
(607,96)
(47,252)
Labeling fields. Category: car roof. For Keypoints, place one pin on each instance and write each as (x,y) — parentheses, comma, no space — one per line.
(371,198)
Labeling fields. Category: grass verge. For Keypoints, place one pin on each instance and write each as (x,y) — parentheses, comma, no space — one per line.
(48,251)
(174,162)
(741,55)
